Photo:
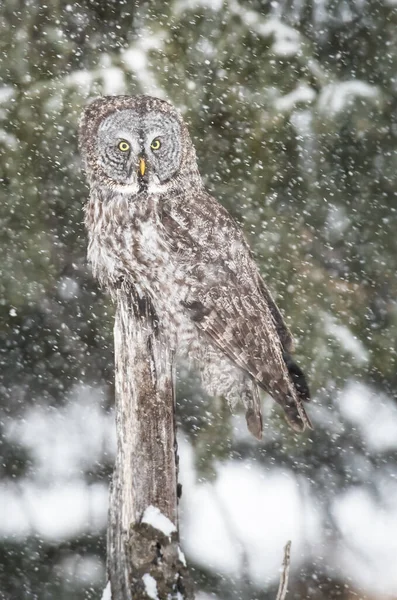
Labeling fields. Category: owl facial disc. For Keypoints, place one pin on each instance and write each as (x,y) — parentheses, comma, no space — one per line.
(132,144)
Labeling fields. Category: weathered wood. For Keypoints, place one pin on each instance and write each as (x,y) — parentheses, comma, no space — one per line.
(146,464)
(284,576)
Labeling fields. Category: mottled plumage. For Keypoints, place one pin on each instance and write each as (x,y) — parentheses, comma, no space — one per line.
(152,224)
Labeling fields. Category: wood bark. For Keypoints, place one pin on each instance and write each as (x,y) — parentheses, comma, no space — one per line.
(146,464)
(284,576)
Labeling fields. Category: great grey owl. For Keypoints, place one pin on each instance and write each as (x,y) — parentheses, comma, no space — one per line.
(152,224)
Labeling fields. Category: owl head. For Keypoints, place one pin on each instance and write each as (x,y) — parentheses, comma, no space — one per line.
(136,143)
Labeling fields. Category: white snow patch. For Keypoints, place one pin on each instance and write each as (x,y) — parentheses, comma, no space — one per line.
(346,338)
(286,40)
(82,79)
(113,81)
(154,517)
(107,592)
(181,557)
(150,586)
(374,412)
(302,94)
(8,139)
(369,556)
(30,509)
(302,122)
(64,442)
(6,93)
(86,570)
(185,5)
(136,60)
(336,97)
(243,519)
(337,219)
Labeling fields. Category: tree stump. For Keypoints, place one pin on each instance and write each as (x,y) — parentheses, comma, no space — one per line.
(144,557)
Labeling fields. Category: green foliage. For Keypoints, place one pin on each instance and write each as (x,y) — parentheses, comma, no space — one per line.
(294,121)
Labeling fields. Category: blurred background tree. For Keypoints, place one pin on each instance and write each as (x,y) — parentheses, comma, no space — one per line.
(292,108)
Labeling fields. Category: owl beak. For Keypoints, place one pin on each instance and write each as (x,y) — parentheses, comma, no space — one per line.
(142,166)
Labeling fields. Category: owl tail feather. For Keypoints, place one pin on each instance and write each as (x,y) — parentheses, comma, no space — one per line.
(298,377)
(296,415)
(253,413)
(294,410)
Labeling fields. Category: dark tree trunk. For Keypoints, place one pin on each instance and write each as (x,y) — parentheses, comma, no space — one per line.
(144,558)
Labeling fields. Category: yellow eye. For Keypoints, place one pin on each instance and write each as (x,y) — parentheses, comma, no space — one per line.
(124,146)
(155,145)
